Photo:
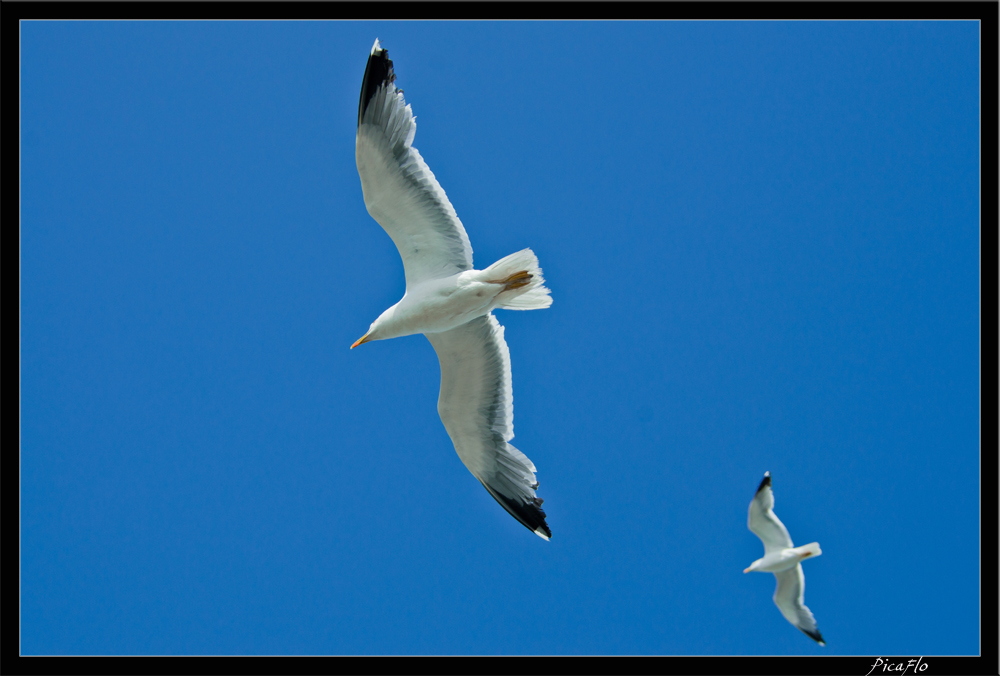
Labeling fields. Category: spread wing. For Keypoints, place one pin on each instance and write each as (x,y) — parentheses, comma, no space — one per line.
(789,595)
(764,522)
(400,190)
(477,408)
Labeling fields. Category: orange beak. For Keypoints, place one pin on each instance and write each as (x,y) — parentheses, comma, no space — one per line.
(747,570)
(359,341)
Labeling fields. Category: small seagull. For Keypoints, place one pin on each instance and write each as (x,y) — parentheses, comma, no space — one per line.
(446,299)
(783,559)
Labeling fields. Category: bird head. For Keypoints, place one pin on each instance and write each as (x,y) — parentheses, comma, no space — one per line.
(381,328)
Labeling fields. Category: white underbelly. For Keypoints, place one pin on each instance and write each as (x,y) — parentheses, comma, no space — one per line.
(442,305)
(780,561)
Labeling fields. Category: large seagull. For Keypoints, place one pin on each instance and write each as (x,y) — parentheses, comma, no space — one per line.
(446,299)
(782,559)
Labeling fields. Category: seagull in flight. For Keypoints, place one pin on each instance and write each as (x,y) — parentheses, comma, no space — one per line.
(446,299)
(782,559)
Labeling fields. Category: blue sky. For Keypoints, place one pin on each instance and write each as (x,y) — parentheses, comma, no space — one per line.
(762,241)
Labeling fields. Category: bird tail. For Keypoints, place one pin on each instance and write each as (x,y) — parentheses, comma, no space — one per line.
(523,282)
(810,550)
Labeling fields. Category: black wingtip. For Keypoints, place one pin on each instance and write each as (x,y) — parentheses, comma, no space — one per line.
(378,70)
(814,635)
(530,514)
(766,481)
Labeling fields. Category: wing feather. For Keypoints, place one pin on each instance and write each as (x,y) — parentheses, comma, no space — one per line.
(476,405)
(762,520)
(400,190)
(789,596)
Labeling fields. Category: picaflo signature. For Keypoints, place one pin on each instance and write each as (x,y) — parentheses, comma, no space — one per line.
(918,666)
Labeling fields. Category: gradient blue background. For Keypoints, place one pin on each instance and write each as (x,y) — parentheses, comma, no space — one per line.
(762,241)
